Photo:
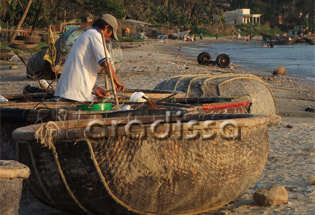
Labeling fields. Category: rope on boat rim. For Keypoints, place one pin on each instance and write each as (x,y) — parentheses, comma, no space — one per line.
(44,134)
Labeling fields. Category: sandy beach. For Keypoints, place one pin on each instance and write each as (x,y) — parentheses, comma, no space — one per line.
(291,157)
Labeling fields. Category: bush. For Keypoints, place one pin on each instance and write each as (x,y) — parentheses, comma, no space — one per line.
(257,29)
(197,30)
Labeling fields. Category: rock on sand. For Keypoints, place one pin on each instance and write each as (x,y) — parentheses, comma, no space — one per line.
(274,195)
(280,71)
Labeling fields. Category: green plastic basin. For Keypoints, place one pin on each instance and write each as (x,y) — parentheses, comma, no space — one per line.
(95,107)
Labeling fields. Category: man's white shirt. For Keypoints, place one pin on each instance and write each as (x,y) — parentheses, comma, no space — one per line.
(80,69)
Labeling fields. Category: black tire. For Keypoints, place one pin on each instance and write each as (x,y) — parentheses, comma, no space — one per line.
(223,60)
(203,57)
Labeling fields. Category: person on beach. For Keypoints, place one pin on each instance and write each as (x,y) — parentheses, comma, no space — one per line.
(238,33)
(201,35)
(77,82)
(128,32)
(246,39)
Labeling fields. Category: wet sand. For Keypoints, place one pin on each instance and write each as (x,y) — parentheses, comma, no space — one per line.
(292,150)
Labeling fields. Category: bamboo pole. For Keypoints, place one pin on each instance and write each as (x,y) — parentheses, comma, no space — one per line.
(109,69)
(106,82)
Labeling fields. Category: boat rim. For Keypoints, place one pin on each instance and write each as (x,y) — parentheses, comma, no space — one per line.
(62,131)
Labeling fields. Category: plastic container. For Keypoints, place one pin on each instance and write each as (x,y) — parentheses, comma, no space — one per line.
(43,84)
(95,107)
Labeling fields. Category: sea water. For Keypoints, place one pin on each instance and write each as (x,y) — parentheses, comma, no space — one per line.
(297,59)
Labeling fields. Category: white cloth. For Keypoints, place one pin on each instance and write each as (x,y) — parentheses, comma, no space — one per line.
(137,97)
(80,69)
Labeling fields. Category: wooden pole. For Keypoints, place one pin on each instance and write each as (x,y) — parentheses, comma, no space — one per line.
(106,82)
(109,69)
(18,27)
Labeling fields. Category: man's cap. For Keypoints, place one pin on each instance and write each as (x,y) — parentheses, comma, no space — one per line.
(112,21)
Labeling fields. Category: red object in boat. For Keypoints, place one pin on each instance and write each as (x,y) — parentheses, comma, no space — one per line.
(225,105)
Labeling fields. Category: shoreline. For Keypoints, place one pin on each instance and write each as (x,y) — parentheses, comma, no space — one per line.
(169,60)
(292,151)
(247,67)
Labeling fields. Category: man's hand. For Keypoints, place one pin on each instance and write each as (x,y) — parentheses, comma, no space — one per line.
(120,87)
(100,92)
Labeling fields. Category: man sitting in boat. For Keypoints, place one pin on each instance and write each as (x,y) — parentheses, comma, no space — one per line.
(77,82)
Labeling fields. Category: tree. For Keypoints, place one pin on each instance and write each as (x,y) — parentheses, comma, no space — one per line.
(18,27)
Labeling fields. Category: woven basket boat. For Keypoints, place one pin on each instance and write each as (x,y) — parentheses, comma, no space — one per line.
(34,112)
(227,85)
(17,114)
(52,110)
(112,169)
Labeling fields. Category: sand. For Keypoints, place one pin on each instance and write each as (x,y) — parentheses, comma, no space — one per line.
(292,150)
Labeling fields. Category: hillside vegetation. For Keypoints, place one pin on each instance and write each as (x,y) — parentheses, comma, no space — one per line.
(199,15)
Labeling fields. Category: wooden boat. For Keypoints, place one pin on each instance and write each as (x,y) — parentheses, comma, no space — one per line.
(309,40)
(18,114)
(278,40)
(287,40)
(305,40)
(267,37)
(87,167)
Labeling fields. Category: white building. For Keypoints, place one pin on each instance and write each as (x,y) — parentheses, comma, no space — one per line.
(241,16)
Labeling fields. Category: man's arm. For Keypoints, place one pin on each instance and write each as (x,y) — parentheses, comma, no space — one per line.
(118,84)
(100,92)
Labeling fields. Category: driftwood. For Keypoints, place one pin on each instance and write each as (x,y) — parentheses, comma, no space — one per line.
(111,170)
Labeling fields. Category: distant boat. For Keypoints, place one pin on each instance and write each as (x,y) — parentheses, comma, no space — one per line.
(286,40)
(278,40)
(306,40)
